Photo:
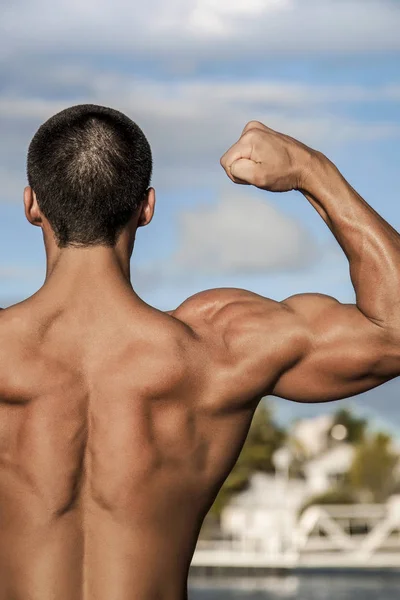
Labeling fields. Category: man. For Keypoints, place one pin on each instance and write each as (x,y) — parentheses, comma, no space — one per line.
(119,422)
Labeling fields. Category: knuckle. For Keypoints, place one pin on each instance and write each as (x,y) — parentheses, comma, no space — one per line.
(256,123)
(253,125)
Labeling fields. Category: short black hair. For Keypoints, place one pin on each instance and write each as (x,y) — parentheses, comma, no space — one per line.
(90,167)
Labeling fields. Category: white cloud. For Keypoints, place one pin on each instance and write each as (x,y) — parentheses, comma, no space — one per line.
(202,28)
(212,17)
(242,233)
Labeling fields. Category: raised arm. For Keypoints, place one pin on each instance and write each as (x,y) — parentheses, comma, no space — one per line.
(310,347)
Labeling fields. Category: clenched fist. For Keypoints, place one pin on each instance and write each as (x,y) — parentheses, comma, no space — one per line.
(267,159)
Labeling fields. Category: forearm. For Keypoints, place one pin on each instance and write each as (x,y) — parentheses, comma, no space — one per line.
(371,245)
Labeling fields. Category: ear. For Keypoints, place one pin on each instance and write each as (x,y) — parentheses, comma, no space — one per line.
(32,210)
(147,209)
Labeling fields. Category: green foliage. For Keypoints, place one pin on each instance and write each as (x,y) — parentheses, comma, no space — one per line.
(236,482)
(372,471)
(263,439)
(356,427)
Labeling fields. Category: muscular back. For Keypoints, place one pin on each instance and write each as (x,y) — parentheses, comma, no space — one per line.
(119,424)
(117,429)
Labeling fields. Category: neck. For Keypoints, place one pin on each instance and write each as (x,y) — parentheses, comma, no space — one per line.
(94,260)
(90,272)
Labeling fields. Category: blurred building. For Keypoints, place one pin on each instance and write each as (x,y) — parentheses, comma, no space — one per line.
(311,435)
(269,509)
(327,470)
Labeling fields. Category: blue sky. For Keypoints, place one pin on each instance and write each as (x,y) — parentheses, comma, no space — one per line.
(192,73)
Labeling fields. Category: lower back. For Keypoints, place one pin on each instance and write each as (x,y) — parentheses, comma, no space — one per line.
(91,558)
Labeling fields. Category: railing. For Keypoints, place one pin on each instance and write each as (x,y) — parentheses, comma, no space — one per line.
(353,536)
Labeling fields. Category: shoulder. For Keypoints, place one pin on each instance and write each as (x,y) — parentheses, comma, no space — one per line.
(212,304)
(14,323)
(231,309)
(251,328)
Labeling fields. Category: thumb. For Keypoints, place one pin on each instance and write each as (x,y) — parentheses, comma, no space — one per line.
(246,171)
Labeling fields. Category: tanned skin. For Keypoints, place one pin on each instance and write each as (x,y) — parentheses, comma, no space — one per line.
(119,423)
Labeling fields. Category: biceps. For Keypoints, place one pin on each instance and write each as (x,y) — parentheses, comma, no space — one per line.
(348,354)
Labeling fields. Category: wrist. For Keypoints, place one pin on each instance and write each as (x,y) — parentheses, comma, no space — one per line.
(314,170)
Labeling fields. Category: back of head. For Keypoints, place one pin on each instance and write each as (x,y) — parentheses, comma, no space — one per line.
(90,167)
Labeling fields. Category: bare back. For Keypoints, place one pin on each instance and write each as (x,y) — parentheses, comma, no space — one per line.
(119,424)
(115,436)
